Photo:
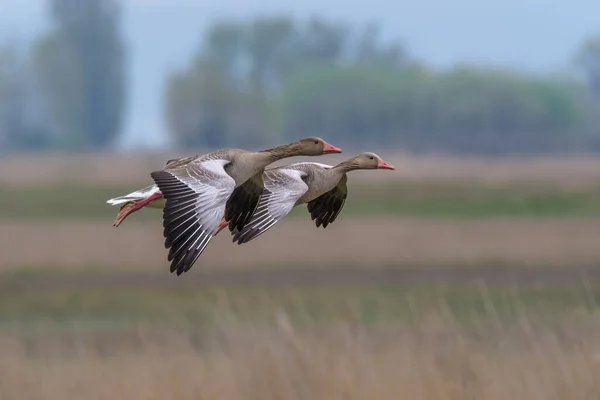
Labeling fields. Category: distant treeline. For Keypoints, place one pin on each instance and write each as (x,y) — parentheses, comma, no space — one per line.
(462,110)
(271,79)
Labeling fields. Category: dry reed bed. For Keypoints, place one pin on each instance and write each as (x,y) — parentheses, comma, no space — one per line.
(48,169)
(434,359)
(368,243)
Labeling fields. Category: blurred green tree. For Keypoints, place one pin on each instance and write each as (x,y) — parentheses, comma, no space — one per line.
(254,79)
(21,112)
(200,104)
(588,59)
(224,46)
(369,49)
(269,43)
(80,65)
(358,104)
(489,110)
(11,101)
(463,110)
(242,69)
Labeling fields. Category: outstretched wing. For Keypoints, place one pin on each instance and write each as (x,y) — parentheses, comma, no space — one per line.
(195,197)
(326,208)
(283,188)
(242,203)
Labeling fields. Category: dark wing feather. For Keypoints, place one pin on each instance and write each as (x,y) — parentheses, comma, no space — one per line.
(242,203)
(326,208)
(195,199)
(283,188)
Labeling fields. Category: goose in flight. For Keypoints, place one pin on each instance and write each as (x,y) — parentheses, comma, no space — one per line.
(322,187)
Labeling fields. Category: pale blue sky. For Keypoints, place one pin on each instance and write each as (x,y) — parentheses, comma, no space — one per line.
(161,35)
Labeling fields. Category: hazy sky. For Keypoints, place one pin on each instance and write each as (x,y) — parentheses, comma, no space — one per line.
(161,35)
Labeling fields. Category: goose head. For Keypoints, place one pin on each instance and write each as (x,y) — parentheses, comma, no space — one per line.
(314,146)
(368,160)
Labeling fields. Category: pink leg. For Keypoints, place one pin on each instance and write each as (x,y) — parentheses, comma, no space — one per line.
(133,206)
(143,203)
(224,223)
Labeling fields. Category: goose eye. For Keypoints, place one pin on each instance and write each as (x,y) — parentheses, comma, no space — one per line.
(316,142)
(371,158)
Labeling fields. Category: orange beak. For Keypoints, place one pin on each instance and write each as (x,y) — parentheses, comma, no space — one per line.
(329,149)
(383,165)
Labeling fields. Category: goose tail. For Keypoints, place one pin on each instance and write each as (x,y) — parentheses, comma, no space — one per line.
(134,196)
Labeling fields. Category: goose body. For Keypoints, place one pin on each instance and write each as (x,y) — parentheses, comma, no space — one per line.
(322,187)
(194,193)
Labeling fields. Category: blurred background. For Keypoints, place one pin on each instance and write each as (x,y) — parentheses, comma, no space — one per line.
(469,272)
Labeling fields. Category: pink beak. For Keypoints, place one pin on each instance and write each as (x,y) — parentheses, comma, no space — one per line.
(327,148)
(383,165)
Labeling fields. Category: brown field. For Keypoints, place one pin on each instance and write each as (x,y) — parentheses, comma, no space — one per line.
(434,358)
(47,169)
(367,243)
(127,329)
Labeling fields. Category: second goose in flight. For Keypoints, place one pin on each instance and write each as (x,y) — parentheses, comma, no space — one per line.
(322,187)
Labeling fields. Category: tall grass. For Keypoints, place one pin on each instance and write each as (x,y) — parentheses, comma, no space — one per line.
(435,358)
(443,341)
